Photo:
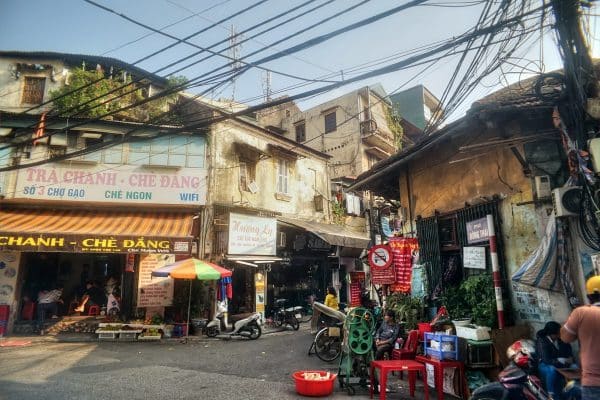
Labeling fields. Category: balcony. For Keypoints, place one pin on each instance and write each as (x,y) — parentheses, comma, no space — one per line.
(373,136)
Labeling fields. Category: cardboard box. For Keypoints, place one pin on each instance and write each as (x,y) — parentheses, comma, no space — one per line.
(473,332)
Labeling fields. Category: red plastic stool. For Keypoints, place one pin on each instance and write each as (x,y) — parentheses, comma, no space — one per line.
(28,311)
(94,310)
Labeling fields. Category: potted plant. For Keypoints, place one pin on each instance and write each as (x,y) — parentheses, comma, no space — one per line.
(408,309)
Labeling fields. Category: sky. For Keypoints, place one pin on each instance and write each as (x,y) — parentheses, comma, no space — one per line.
(75,26)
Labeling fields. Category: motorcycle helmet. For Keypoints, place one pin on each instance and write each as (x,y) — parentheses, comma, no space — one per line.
(592,285)
(521,352)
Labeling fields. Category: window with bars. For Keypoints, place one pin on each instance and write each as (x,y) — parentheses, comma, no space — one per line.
(33,90)
(330,122)
(282,176)
(300,132)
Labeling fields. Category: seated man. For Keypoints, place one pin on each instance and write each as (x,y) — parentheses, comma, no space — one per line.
(93,295)
(386,335)
(553,353)
(48,301)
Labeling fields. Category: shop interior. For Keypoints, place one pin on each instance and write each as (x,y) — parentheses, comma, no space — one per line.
(47,271)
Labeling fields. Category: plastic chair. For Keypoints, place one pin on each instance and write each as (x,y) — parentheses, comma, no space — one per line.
(94,310)
(409,348)
(28,311)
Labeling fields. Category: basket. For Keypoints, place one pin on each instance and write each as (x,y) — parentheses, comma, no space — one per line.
(314,388)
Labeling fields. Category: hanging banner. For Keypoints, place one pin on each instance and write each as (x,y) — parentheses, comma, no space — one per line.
(402,250)
(357,281)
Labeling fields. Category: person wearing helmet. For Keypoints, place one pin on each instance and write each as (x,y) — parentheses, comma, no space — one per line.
(584,324)
(553,353)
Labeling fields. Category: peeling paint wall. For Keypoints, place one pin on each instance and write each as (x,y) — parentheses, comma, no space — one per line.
(308,175)
(445,178)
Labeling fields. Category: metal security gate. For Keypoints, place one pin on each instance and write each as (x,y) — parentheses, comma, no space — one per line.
(430,243)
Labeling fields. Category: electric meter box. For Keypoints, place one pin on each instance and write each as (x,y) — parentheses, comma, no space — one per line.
(543,187)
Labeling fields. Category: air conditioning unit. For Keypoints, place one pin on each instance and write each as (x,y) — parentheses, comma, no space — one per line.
(566,201)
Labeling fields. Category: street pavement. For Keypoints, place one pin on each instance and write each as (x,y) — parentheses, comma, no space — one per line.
(202,368)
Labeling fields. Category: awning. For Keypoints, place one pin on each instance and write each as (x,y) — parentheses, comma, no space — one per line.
(96,231)
(336,235)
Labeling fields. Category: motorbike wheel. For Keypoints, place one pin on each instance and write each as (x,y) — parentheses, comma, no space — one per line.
(278,319)
(328,348)
(212,331)
(294,323)
(255,331)
(491,391)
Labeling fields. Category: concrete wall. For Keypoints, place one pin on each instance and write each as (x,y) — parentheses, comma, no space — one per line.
(11,89)
(344,144)
(443,179)
(308,174)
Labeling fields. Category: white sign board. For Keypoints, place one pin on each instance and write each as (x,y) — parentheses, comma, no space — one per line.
(252,235)
(154,291)
(474,257)
(110,183)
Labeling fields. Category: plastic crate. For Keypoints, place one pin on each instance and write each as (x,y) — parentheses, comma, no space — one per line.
(127,336)
(447,348)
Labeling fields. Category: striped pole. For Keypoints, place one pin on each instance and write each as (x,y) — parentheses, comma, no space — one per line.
(496,270)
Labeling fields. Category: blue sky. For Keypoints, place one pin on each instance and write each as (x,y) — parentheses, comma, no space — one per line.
(77,27)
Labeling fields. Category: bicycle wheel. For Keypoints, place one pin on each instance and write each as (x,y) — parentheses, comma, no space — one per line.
(328,348)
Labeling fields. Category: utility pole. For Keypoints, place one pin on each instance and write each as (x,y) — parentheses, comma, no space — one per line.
(578,67)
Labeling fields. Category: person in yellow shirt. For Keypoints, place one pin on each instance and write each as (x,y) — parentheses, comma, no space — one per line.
(331,299)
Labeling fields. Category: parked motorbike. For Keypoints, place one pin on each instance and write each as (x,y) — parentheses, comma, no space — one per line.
(516,381)
(283,316)
(248,327)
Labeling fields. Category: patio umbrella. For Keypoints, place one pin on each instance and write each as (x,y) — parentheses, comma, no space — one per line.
(192,268)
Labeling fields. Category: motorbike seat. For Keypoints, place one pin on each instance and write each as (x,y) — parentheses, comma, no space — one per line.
(512,374)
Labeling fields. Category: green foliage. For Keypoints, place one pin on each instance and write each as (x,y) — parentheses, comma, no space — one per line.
(88,95)
(407,308)
(338,212)
(474,298)
(394,123)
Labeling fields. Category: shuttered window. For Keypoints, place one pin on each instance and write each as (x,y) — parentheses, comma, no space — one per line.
(33,90)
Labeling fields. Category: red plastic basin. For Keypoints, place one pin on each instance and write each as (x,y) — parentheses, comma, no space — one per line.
(314,388)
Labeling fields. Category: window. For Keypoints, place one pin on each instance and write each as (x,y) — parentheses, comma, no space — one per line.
(300,132)
(33,90)
(247,174)
(175,151)
(282,176)
(330,122)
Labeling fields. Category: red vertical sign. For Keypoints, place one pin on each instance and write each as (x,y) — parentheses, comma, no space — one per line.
(402,249)
(357,281)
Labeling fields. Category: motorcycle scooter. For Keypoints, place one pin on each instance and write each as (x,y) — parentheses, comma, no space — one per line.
(516,382)
(248,327)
